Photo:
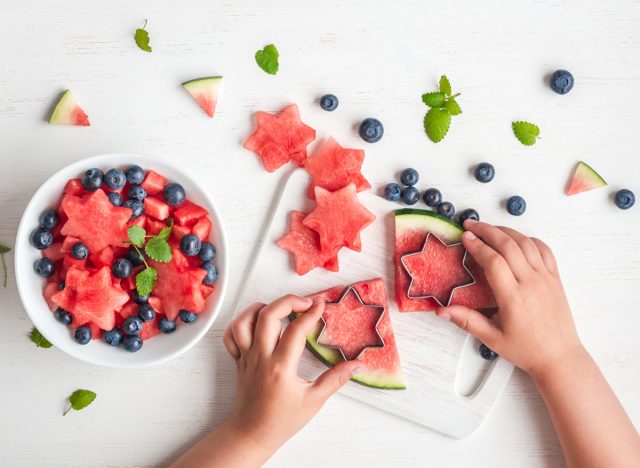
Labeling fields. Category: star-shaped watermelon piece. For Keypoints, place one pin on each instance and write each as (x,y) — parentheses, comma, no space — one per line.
(95,221)
(333,167)
(280,138)
(304,244)
(91,297)
(338,218)
(428,278)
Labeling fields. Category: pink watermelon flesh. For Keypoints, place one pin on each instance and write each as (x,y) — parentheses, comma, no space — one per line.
(584,178)
(205,91)
(154,183)
(156,208)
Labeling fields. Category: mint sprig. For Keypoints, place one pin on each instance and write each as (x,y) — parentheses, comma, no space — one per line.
(3,250)
(142,38)
(526,132)
(80,399)
(267,59)
(443,104)
(38,339)
(157,248)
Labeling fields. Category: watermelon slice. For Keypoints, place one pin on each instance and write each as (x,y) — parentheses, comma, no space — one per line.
(189,213)
(69,112)
(154,183)
(280,138)
(156,208)
(412,227)
(584,178)
(381,365)
(205,91)
(333,167)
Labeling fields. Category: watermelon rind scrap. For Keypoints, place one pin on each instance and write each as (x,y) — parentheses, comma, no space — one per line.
(205,91)
(68,112)
(584,178)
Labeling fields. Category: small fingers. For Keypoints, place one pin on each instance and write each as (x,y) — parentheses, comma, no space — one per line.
(230,344)
(332,380)
(471,321)
(547,256)
(242,327)
(528,247)
(294,338)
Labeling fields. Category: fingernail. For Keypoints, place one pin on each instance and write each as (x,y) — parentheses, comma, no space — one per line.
(469,235)
(355,370)
(470,222)
(444,315)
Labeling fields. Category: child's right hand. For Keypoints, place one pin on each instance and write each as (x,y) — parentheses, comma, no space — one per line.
(533,327)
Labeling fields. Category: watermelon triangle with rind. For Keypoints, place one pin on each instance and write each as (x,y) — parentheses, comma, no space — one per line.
(206,92)
(68,112)
(584,178)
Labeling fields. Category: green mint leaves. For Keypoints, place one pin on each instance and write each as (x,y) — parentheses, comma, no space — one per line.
(146,281)
(142,38)
(157,248)
(267,59)
(137,235)
(3,250)
(39,340)
(443,105)
(526,132)
(80,399)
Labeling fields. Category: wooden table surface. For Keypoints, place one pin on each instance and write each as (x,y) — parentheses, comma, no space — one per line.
(378,60)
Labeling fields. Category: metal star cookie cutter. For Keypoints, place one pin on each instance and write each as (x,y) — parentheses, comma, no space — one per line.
(453,290)
(375,327)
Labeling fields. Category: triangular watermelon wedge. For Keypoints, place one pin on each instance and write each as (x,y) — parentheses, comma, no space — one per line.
(69,112)
(205,91)
(584,178)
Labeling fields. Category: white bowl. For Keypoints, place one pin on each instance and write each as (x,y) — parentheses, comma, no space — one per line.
(30,286)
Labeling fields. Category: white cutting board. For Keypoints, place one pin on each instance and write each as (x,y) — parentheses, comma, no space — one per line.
(432,351)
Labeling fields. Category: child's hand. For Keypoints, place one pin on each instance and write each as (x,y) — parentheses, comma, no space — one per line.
(533,326)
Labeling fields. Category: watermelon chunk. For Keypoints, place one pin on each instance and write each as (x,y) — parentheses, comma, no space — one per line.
(154,183)
(280,138)
(156,208)
(49,290)
(381,365)
(153,227)
(178,232)
(202,229)
(205,91)
(54,252)
(189,213)
(584,178)
(69,112)
(74,187)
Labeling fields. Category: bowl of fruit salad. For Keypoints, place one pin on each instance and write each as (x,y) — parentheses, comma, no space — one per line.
(121,260)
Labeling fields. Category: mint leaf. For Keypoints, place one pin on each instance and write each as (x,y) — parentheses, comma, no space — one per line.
(146,280)
(137,235)
(165,233)
(435,99)
(267,59)
(436,124)
(445,86)
(39,340)
(452,106)
(80,399)
(142,38)
(526,132)
(3,250)
(159,250)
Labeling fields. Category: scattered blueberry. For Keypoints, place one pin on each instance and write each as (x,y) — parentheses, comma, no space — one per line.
(41,238)
(329,102)
(561,81)
(114,179)
(212,273)
(392,192)
(371,130)
(174,194)
(112,337)
(516,205)
(122,268)
(625,199)
(114,198)
(432,197)
(137,208)
(137,192)
(44,267)
(92,179)
(190,245)
(485,172)
(80,251)
(146,312)
(137,298)
(447,209)
(63,316)
(207,252)
(135,257)
(167,326)
(132,326)
(409,177)
(469,213)
(487,353)
(187,316)
(82,335)
(49,219)
(132,343)
(134,175)
(410,195)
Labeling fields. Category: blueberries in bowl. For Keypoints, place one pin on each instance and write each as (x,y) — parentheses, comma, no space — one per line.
(44,267)
(122,268)
(136,206)
(137,192)
(41,238)
(92,179)
(114,179)
(212,273)
(190,245)
(80,251)
(49,219)
(132,344)
(114,198)
(134,175)
(207,252)
(167,326)
(174,194)
(83,335)
(187,316)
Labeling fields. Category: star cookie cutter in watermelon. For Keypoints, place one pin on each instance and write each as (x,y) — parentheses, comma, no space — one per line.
(453,289)
(380,310)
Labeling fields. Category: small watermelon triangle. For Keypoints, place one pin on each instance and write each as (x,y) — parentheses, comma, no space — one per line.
(205,91)
(584,178)
(69,112)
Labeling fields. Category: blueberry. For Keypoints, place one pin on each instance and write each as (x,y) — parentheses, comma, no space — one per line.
(190,245)
(63,316)
(49,219)
(137,192)
(409,177)
(447,209)
(80,251)
(114,198)
(122,268)
(167,326)
(92,179)
(82,335)
(516,205)
(41,238)
(392,192)
(132,343)
(561,81)
(114,179)
(132,326)
(625,199)
(371,130)
(137,298)
(329,102)
(134,175)
(469,213)
(61,285)
(112,337)
(207,252)
(410,195)
(146,312)
(432,197)
(137,208)
(487,353)
(485,172)
(212,273)
(174,194)
(135,257)
(187,316)
(44,267)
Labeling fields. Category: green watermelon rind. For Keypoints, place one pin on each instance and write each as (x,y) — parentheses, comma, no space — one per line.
(445,229)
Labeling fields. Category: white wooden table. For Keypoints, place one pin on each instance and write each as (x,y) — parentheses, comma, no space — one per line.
(378,60)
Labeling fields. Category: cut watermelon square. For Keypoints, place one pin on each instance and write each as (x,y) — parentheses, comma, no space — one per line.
(154,183)
(189,213)
(156,208)
(202,229)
